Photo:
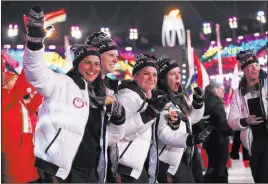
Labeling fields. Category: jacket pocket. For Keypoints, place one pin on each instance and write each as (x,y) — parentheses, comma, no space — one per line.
(53,140)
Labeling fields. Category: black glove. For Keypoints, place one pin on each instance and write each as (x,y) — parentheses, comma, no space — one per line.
(35,29)
(117,112)
(234,156)
(155,106)
(199,138)
(198,98)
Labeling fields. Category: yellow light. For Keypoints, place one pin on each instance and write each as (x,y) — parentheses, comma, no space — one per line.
(174,13)
(49,33)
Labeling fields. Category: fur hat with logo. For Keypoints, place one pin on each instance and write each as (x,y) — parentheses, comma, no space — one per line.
(165,64)
(81,51)
(142,61)
(246,58)
(102,41)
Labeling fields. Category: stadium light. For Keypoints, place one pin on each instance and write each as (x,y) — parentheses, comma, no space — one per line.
(133,34)
(233,22)
(206,28)
(12,30)
(106,30)
(261,19)
(75,32)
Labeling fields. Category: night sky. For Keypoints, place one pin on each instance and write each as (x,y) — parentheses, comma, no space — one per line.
(146,16)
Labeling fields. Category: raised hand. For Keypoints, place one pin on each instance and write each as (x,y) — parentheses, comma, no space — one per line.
(198,98)
(35,29)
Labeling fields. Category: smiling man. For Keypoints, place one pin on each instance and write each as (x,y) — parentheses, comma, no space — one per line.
(249,111)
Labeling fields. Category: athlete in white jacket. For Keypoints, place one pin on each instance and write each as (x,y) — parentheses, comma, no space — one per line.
(249,112)
(109,57)
(104,85)
(65,124)
(175,127)
(136,154)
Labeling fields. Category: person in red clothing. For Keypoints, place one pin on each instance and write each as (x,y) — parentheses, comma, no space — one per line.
(17,128)
(33,116)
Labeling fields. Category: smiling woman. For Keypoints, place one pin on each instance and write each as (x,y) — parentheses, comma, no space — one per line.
(89,68)
(141,125)
(72,141)
(147,79)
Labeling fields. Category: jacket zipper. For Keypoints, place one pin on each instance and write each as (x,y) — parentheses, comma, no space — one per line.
(86,93)
(58,133)
(162,150)
(122,154)
(262,108)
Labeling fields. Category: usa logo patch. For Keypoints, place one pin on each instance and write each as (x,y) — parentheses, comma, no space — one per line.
(78,103)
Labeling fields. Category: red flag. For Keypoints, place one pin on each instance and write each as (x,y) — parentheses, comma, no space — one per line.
(50,18)
(202,75)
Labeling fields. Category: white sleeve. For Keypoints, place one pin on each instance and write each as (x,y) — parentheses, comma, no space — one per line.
(170,137)
(134,125)
(38,74)
(234,115)
(115,133)
(197,114)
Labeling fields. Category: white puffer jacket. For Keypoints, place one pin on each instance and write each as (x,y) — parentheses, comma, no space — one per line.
(62,117)
(172,143)
(239,109)
(132,150)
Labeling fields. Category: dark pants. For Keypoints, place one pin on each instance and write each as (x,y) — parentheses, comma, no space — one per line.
(184,174)
(218,154)
(77,175)
(36,181)
(122,178)
(259,161)
(236,146)
(197,166)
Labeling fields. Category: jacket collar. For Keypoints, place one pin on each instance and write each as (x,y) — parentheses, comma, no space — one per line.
(78,79)
(132,85)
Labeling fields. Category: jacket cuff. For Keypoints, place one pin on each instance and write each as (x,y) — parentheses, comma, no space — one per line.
(117,121)
(34,46)
(197,105)
(147,116)
(243,122)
